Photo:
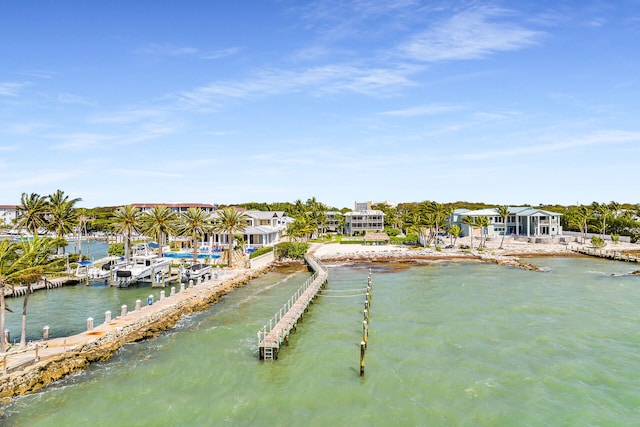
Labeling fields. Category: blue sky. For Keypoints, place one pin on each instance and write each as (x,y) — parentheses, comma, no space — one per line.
(513,102)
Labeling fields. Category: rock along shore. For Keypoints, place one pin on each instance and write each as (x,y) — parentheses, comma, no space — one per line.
(60,357)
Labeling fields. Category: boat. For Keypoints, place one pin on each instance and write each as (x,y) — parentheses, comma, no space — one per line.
(102,268)
(195,272)
(145,266)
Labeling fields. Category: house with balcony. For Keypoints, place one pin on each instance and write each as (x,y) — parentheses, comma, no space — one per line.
(522,221)
(362,221)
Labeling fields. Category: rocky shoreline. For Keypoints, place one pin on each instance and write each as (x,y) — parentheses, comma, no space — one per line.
(103,341)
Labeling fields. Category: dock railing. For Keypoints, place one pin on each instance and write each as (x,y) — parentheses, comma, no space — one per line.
(279,326)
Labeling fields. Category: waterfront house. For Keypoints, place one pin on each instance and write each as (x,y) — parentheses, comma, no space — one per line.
(363,221)
(522,221)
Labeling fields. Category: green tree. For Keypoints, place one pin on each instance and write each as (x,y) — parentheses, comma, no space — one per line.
(229,221)
(32,212)
(159,222)
(126,221)
(483,223)
(503,212)
(194,222)
(454,231)
(7,258)
(62,215)
(603,212)
(33,260)
(472,222)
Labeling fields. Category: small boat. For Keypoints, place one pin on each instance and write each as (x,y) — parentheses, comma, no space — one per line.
(145,266)
(101,269)
(195,272)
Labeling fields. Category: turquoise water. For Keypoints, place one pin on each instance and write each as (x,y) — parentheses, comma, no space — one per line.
(463,344)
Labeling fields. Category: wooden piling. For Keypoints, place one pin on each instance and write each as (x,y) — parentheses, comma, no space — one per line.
(362,349)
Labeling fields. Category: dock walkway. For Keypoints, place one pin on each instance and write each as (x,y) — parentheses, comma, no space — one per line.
(277,331)
(602,253)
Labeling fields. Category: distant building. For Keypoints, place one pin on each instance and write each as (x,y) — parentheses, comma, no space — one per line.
(522,221)
(333,224)
(175,207)
(363,221)
(8,214)
(362,206)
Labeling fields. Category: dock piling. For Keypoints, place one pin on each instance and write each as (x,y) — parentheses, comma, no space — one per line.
(45,333)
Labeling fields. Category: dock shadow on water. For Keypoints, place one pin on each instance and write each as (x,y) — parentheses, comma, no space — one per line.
(454,344)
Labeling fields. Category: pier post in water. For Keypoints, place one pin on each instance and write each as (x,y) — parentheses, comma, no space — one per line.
(365,332)
(362,348)
(181,287)
(45,332)
(138,304)
(107,316)
(7,336)
(90,324)
(161,295)
(173,291)
(123,310)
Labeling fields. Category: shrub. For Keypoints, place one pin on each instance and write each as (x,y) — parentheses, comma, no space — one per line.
(291,250)
(391,232)
(260,251)
(615,238)
(117,249)
(597,242)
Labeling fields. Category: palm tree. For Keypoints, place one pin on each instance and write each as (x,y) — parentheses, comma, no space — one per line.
(194,222)
(159,222)
(229,221)
(483,223)
(472,222)
(604,212)
(7,258)
(503,212)
(33,259)
(63,216)
(454,232)
(32,212)
(127,220)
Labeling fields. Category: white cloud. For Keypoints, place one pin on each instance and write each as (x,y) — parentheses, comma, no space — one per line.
(423,110)
(594,139)
(471,34)
(11,88)
(171,50)
(324,79)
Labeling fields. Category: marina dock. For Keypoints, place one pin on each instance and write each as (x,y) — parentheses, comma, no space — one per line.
(276,332)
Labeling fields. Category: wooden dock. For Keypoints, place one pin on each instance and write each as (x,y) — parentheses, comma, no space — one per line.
(612,255)
(277,331)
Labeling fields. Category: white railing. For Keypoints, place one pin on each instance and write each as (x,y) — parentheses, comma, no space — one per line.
(290,305)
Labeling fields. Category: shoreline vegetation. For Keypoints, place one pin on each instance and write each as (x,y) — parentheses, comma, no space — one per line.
(45,362)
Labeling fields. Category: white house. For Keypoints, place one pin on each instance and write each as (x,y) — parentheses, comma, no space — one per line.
(522,221)
(363,221)
(8,213)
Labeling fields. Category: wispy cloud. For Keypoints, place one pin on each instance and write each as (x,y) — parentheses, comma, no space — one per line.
(422,110)
(318,80)
(171,50)
(470,34)
(590,140)
(11,88)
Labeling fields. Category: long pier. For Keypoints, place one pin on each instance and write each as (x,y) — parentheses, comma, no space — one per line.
(613,255)
(277,331)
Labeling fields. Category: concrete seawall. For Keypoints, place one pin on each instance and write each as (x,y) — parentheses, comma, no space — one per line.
(45,362)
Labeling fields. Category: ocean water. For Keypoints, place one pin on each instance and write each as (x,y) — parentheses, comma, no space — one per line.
(450,344)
